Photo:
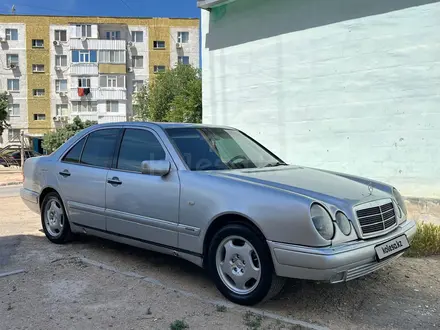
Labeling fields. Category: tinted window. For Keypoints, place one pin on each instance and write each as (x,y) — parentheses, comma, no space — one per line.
(195,149)
(99,148)
(137,146)
(74,153)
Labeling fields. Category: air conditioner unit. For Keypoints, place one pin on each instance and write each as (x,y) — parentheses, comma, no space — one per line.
(130,44)
(2,39)
(58,68)
(8,93)
(56,43)
(64,118)
(178,45)
(13,66)
(56,118)
(62,93)
(130,69)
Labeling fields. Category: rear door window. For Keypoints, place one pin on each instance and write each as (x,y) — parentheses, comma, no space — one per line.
(75,153)
(99,148)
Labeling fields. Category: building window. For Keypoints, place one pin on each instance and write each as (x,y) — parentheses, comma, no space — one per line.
(84,56)
(112,81)
(84,82)
(37,68)
(11,34)
(138,61)
(61,60)
(14,110)
(84,106)
(37,43)
(112,56)
(61,85)
(62,110)
(182,37)
(183,59)
(112,106)
(61,35)
(159,68)
(137,36)
(113,35)
(13,85)
(137,85)
(39,116)
(158,44)
(38,92)
(13,134)
(84,31)
(11,60)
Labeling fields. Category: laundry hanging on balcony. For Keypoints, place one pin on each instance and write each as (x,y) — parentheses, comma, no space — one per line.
(83,91)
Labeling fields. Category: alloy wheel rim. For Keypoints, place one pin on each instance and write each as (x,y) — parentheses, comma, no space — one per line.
(54,218)
(238,265)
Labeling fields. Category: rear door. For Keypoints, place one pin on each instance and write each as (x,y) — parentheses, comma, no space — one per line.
(82,175)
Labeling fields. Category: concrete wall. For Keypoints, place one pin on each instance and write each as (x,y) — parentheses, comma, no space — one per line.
(190,49)
(346,85)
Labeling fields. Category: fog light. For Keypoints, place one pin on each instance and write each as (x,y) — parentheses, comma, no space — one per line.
(337,278)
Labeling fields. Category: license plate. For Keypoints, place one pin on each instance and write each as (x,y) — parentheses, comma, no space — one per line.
(394,246)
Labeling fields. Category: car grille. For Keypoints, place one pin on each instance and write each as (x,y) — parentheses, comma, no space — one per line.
(376,219)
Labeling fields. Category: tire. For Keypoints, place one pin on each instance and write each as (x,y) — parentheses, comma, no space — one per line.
(54,221)
(230,266)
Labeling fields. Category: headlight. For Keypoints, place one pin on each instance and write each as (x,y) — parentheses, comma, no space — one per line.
(343,223)
(399,200)
(322,221)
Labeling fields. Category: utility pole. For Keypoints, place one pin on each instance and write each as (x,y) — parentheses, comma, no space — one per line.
(22,148)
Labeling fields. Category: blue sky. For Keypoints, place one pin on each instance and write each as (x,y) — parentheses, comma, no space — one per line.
(155,8)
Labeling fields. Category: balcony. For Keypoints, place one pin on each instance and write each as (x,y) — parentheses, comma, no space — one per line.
(101,118)
(78,44)
(84,69)
(97,94)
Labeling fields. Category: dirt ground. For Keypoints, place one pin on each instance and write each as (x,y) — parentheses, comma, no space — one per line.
(8,176)
(96,284)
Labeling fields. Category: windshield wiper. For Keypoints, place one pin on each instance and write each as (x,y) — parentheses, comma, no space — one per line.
(276,164)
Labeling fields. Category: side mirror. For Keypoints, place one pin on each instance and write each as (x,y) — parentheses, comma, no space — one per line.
(156,167)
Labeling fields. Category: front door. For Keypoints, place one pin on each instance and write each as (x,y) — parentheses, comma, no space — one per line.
(82,175)
(141,206)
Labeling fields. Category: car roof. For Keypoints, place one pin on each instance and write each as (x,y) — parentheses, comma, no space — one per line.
(161,125)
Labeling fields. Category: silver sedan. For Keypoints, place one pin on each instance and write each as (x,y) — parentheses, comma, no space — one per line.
(216,197)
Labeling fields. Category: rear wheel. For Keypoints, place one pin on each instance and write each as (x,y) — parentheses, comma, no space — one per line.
(241,265)
(54,219)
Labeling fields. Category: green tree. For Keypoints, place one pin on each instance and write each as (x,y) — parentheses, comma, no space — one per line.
(4,102)
(172,96)
(54,140)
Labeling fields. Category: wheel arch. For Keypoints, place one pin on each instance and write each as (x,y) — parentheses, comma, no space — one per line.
(44,193)
(223,220)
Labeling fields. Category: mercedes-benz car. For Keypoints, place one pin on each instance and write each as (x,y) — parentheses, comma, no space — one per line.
(218,198)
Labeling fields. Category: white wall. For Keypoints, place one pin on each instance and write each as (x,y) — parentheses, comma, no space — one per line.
(191,48)
(347,85)
(14,47)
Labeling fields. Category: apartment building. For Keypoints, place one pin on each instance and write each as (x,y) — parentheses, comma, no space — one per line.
(55,68)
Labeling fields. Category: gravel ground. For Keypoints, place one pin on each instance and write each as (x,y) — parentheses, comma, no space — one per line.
(60,290)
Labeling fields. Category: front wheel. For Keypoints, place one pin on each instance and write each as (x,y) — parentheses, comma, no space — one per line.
(241,266)
(54,219)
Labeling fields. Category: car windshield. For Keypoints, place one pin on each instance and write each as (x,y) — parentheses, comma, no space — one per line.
(206,149)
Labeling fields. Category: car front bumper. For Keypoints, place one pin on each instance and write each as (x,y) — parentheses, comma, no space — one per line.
(30,198)
(335,264)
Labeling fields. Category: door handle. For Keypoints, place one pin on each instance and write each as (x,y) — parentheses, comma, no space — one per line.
(114,181)
(65,173)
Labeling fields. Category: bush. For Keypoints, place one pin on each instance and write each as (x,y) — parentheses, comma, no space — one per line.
(426,242)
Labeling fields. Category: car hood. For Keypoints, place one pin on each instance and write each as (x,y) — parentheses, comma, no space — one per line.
(318,184)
